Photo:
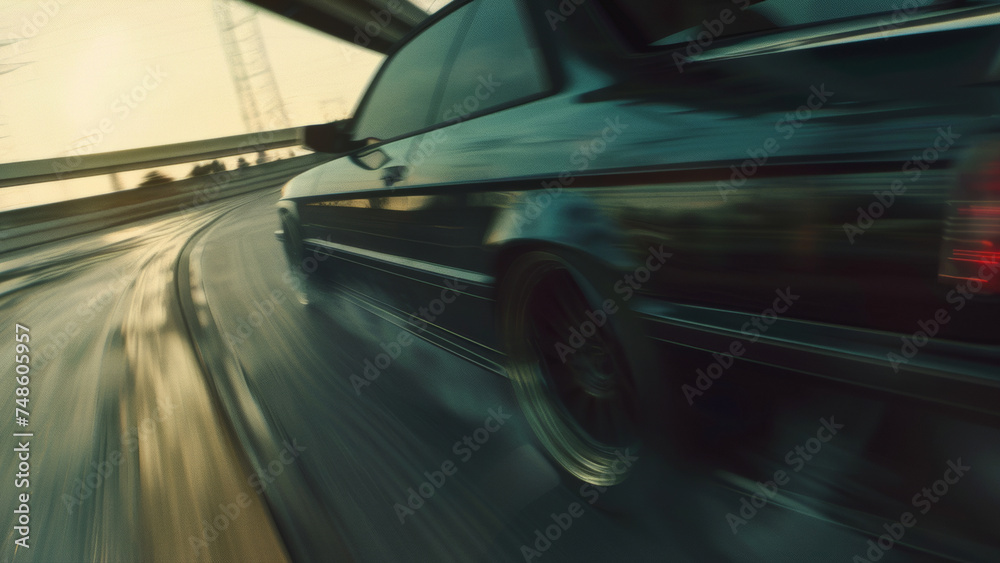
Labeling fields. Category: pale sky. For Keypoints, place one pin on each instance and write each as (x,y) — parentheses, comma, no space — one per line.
(150,72)
(76,60)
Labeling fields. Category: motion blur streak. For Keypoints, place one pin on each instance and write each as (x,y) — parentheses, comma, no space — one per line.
(116,376)
(117,368)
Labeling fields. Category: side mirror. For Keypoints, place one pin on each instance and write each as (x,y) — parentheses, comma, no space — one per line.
(333,138)
(371,159)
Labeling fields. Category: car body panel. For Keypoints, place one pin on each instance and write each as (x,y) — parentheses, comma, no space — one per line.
(644,159)
(751,163)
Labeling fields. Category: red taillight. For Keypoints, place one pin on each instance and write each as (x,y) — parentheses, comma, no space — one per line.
(970,253)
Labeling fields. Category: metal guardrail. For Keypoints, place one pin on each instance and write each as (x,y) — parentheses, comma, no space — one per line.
(30,226)
(65,168)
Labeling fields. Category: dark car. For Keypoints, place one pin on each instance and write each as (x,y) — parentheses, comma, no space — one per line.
(624,205)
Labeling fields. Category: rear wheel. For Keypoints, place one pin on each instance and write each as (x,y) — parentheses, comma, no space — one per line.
(575,367)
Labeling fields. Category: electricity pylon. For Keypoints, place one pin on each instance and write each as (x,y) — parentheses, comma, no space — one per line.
(261,104)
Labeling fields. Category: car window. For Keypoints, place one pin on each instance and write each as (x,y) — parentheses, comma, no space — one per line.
(498,62)
(402,97)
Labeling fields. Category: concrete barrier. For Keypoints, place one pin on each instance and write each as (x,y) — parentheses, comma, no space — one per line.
(22,228)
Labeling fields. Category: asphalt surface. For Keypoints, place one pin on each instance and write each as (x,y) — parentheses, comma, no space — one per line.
(178,344)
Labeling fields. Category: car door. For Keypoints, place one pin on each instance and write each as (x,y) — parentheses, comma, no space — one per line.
(348,215)
(409,224)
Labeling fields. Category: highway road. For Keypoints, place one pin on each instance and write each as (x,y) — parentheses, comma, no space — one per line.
(185,406)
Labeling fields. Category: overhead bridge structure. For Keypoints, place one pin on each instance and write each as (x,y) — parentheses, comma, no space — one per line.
(372,24)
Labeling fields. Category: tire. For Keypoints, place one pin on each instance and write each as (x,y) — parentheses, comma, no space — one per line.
(302,284)
(584,406)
